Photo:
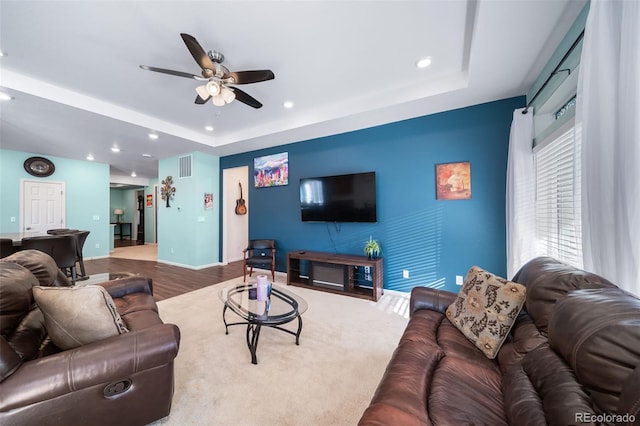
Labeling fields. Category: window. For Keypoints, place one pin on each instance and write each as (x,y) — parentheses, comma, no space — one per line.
(558,221)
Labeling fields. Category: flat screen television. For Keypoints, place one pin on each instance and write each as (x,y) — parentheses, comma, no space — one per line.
(341,198)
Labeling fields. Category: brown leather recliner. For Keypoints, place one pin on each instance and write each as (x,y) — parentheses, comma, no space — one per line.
(122,380)
(573,358)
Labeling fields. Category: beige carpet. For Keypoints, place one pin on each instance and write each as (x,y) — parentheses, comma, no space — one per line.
(329,379)
(138,252)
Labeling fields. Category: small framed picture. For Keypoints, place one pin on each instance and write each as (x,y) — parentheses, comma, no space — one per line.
(208,201)
(453,181)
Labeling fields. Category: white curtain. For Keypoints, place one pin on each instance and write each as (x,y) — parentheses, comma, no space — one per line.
(608,111)
(520,203)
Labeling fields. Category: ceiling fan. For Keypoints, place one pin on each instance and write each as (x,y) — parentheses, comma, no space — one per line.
(218,78)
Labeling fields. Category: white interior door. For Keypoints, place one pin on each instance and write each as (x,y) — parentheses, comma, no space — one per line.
(43,205)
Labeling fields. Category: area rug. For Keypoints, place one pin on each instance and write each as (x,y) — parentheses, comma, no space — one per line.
(328,379)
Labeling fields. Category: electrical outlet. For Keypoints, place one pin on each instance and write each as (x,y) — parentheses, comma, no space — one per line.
(459,280)
(97,245)
(171,250)
(13,219)
(405,273)
(96,217)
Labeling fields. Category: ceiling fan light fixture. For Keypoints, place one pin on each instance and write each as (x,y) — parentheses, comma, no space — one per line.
(218,100)
(213,88)
(203,92)
(228,95)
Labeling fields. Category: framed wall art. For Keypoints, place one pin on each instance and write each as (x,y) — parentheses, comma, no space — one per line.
(271,170)
(453,181)
(208,201)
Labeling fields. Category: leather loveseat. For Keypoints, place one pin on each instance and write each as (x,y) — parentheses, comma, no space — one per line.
(572,357)
(126,379)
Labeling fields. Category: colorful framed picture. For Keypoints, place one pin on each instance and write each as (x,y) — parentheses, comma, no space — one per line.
(149,200)
(271,170)
(453,181)
(208,201)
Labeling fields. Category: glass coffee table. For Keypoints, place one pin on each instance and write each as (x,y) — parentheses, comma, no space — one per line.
(281,307)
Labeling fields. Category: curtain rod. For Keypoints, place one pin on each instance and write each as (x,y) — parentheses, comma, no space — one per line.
(555,71)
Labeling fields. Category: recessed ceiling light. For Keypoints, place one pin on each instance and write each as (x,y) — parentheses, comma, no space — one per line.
(2,54)
(208,128)
(133,174)
(115,149)
(5,97)
(288,104)
(146,155)
(153,136)
(90,157)
(424,62)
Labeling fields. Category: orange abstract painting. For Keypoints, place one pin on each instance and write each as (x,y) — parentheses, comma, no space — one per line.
(453,181)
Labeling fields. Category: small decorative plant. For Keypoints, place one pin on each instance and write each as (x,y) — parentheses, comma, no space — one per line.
(372,248)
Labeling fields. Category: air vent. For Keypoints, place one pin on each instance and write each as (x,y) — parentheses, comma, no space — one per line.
(185,166)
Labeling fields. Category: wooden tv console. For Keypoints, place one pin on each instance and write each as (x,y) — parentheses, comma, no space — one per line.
(348,274)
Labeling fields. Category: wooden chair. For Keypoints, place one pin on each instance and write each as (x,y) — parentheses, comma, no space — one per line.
(259,253)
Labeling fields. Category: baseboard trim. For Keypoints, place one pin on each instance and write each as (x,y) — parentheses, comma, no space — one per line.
(97,257)
(195,268)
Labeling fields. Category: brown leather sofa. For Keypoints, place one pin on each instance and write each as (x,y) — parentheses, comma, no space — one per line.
(573,357)
(126,379)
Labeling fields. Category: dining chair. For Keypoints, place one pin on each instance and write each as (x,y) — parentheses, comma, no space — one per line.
(259,253)
(6,247)
(81,238)
(62,248)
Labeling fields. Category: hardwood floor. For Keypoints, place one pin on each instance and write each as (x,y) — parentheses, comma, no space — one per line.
(168,280)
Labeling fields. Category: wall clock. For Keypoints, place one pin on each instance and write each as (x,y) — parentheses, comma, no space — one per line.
(39,166)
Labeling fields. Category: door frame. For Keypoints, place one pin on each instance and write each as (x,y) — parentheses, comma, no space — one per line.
(63,212)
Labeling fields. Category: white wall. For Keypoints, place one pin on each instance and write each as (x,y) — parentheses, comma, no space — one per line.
(235,228)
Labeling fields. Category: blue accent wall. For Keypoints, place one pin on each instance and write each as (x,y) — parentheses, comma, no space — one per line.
(434,240)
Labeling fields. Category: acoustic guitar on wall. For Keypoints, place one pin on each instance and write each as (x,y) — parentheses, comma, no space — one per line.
(241,208)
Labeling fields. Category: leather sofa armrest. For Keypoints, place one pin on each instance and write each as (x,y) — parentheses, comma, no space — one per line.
(430,298)
(98,363)
(125,286)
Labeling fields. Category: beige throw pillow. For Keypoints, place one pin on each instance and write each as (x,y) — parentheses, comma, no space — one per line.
(75,316)
(486,308)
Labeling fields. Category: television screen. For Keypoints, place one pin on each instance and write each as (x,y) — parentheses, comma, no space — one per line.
(342,198)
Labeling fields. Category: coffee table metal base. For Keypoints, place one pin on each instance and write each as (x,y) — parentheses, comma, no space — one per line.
(253,331)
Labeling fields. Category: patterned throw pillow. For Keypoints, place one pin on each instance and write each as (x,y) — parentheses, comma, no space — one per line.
(486,308)
(76,316)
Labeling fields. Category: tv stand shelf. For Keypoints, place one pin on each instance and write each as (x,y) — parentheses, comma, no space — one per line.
(348,274)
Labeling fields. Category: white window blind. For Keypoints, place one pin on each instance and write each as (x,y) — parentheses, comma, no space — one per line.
(558,227)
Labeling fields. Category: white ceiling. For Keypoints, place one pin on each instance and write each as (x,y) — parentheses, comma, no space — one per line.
(72,69)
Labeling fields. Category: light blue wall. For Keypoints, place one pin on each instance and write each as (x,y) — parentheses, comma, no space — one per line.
(116,202)
(87,197)
(188,235)
(434,240)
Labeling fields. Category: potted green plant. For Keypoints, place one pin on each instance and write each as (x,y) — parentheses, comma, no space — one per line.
(372,248)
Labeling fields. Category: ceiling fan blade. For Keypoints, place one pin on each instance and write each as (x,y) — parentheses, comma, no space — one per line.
(246,77)
(172,72)
(198,52)
(245,98)
(201,101)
